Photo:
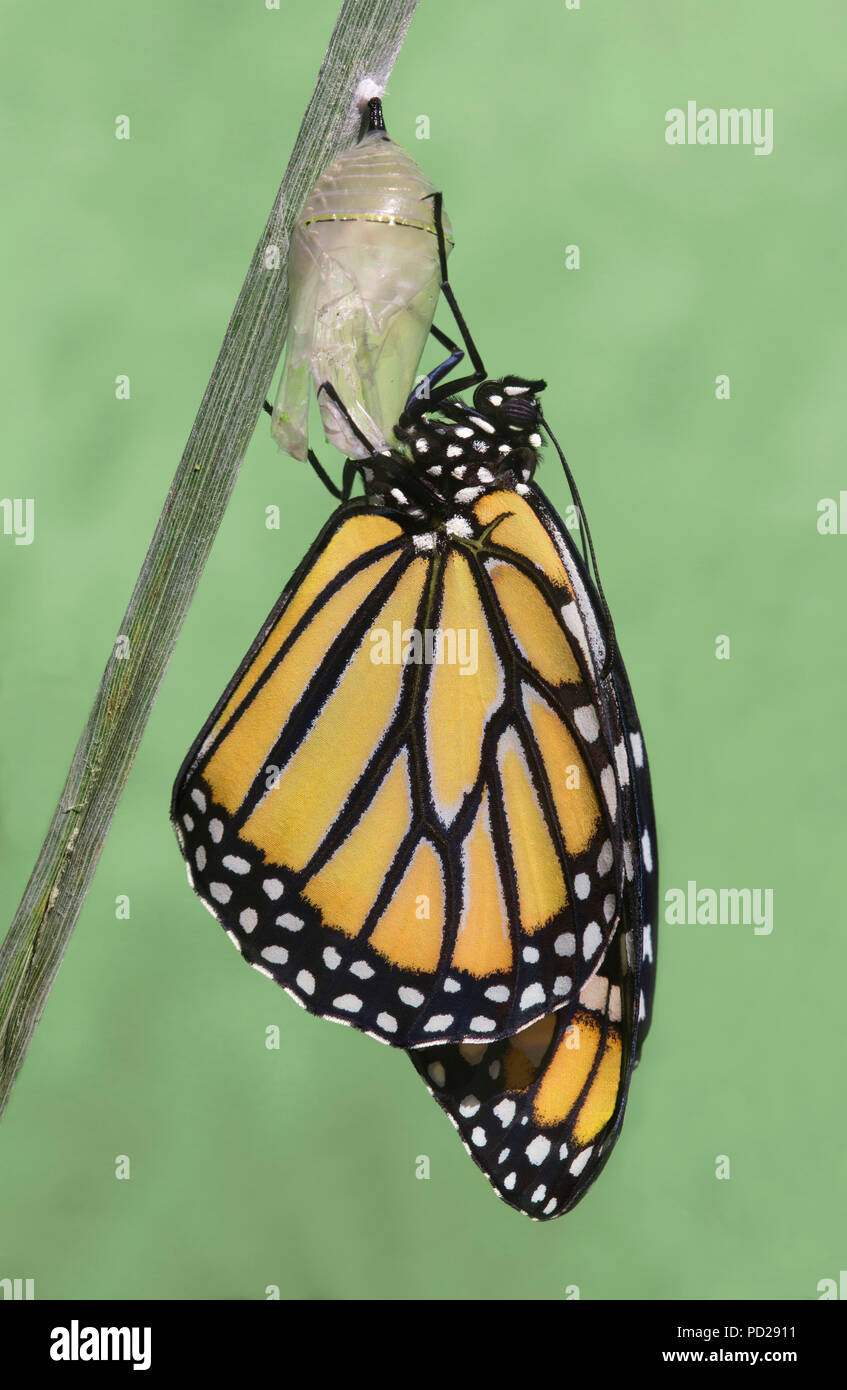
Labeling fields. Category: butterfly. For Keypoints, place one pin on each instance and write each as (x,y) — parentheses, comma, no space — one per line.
(422,803)
(435,851)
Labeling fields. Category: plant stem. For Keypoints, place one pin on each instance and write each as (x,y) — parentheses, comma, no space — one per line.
(365,43)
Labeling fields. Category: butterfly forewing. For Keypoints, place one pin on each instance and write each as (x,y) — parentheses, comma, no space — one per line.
(409,806)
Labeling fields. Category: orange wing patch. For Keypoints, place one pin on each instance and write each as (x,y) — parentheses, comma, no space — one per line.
(292,820)
(521,531)
(345,889)
(462,696)
(353,539)
(572,788)
(535,629)
(599,1104)
(232,767)
(483,943)
(541,885)
(568,1070)
(411,929)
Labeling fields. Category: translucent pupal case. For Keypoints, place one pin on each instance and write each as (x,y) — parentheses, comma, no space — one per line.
(363,284)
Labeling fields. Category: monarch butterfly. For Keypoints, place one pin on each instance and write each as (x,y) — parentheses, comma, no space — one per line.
(422,804)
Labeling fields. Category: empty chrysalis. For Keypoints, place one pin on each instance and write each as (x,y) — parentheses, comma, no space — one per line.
(364,279)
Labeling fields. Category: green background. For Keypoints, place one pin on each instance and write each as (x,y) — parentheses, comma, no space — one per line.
(296,1167)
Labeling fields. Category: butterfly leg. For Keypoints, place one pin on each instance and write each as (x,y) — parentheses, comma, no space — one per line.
(330,390)
(423,390)
(331,487)
(451,388)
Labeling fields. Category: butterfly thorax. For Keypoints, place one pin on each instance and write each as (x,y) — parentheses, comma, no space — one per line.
(448,459)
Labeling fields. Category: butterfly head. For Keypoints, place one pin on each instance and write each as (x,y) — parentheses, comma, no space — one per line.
(511,405)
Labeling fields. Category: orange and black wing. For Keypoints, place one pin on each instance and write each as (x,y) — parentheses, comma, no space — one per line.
(540,1112)
(407,808)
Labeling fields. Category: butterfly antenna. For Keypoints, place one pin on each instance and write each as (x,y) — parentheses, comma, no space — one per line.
(585,535)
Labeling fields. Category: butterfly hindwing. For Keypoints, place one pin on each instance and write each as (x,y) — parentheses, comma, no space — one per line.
(538,1111)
